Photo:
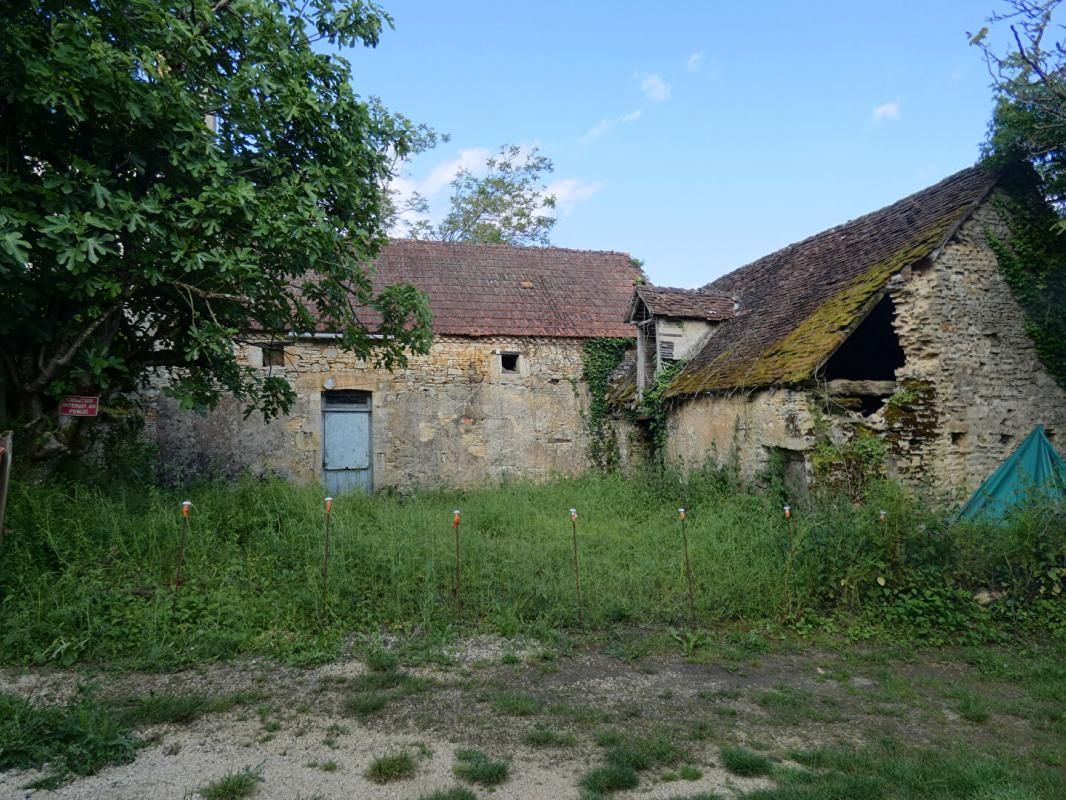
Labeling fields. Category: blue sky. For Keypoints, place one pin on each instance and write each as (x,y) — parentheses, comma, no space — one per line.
(696,136)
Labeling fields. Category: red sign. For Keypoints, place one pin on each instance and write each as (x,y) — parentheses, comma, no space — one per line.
(78,406)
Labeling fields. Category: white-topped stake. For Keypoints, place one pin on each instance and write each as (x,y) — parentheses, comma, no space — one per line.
(577,564)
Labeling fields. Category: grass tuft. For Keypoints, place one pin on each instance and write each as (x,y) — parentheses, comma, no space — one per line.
(612,778)
(745,763)
(546,737)
(476,767)
(391,767)
(516,705)
(363,704)
(234,786)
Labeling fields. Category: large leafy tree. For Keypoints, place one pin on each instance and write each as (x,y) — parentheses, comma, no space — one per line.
(1024,49)
(505,203)
(178,177)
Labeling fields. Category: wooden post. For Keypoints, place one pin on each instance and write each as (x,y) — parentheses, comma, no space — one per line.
(186,506)
(325,556)
(788,562)
(458,569)
(577,565)
(6,439)
(688,568)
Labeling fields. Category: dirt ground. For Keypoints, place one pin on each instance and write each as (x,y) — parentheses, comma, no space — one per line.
(296,726)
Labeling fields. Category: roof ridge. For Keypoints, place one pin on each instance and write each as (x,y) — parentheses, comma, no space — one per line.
(981,166)
(505,246)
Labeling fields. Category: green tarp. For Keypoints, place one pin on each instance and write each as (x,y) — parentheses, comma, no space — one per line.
(1034,472)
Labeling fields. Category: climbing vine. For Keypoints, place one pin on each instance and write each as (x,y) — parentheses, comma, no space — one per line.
(653,407)
(599,358)
(1033,262)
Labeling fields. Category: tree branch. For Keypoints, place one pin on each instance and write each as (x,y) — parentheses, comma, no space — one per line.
(244,300)
(62,360)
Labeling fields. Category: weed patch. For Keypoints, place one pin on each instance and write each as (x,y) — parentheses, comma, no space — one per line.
(516,705)
(611,778)
(234,786)
(391,767)
(476,767)
(79,738)
(546,737)
(745,763)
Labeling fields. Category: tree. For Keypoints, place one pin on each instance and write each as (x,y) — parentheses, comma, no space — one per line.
(509,204)
(1029,80)
(1029,127)
(175,178)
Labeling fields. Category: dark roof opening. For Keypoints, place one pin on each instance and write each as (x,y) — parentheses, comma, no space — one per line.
(872,352)
(509,362)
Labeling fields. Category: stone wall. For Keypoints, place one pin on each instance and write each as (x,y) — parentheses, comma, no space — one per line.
(739,430)
(453,417)
(970,390)
(985,388)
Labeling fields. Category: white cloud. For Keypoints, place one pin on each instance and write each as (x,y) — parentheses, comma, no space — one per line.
(568,192)
(655,88)
(693,62)
(605,124)
(472,159)
(886,112)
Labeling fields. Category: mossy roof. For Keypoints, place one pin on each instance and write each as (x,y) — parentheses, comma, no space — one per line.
(799,304)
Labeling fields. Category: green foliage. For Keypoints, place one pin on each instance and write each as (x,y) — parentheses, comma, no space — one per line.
(79,738)
(508,204)
(177,709)
(546,737)
(653,406)
(391,767)
(599,358)
(515,704)
(850,467)
(611,778)
(890,769)
(86,574)
(234,786)
(154,208)
(744,762)
(1033,262)
(476,767)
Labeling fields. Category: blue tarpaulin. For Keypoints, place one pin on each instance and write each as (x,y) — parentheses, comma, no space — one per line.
(1033,472)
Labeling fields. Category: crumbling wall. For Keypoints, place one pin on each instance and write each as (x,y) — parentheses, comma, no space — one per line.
(452,418)
(740,430)
(972,387)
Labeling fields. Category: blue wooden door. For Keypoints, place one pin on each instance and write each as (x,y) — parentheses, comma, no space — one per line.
(346,462)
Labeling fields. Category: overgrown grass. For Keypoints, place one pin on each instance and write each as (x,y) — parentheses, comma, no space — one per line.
(78,738)
(177,709)
(745,763)
(87,574)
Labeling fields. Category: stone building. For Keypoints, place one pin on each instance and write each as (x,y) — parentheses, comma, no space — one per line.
(498,396)
(898,325)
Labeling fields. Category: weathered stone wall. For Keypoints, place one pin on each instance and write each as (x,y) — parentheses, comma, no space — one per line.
(967,352)
(970,390)
(739,430)
(453,417)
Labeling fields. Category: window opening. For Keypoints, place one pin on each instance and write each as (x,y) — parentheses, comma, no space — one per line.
(666,351)
(509,362)
(273,355)
(872,352)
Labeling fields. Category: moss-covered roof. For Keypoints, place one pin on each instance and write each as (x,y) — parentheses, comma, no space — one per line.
(799,304)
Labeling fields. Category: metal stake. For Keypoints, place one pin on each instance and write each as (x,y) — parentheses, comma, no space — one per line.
(688,568)
(788,562)
(577,565)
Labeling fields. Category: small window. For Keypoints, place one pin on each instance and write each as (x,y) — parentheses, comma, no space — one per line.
(273,355)
(509,362)
(666,351)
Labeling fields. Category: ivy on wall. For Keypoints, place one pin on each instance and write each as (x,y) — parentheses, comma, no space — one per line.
(653,407)
(599,358)
(1033,262)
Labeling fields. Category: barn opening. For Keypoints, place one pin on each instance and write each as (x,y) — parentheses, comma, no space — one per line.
(862,372)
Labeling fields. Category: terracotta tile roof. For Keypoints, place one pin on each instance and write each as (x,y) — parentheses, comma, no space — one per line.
(797,305)
(665,301)
(491,289)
